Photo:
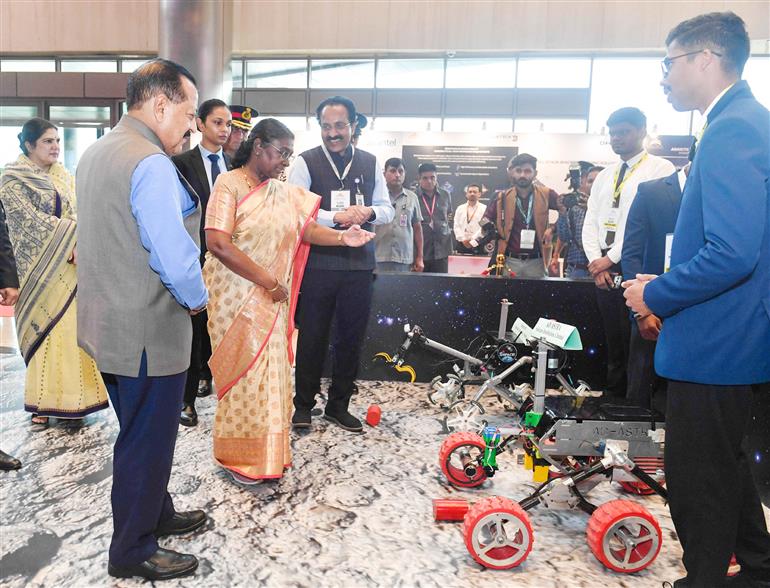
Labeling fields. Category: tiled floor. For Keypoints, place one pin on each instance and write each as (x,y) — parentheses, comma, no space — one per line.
(355,510)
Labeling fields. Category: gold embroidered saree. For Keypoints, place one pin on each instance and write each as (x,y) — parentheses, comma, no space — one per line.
(62,380)
(251,334)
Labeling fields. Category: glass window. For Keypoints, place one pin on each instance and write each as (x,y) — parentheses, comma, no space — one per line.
(236,72)
(38,65)
(75,141)
(550,125)
(757,74)
(554,73)
(619,82)
(406,124)
(481,73)
(276,74)
(9,144)
(342,73)
(86,114)
(295,123)
(89,66)
(410,73)
(10,112)
(472,125)
(131,65)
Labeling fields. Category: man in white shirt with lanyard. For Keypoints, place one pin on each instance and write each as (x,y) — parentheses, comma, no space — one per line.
(337,284)
(467,217)
(611,197)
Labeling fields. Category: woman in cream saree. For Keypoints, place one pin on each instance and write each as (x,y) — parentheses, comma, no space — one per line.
(258,231)
(38,195)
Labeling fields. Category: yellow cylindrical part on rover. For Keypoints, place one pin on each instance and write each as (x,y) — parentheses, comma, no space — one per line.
(540,474)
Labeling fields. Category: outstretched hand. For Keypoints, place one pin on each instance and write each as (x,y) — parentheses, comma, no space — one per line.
(355,236)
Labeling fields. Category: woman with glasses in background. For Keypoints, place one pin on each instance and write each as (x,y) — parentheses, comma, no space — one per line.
(38,195)
(258,232)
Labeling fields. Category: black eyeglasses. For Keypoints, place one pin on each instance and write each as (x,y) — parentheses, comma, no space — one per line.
(286,154)
(665,64)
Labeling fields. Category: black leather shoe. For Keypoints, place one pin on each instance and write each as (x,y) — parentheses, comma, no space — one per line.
(204,388)
(345,421)
(8,462)
(301,418)
(189,417)
(181,523)
(164,564)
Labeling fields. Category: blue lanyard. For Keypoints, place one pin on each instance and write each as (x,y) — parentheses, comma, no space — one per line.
(528,216)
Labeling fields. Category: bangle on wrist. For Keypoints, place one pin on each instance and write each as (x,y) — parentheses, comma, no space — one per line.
(277,285)
(339,236)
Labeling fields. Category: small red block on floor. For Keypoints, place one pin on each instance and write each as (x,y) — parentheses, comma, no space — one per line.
(373,415)
(449,510)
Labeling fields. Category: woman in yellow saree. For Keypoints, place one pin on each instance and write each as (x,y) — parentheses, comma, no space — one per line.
(258,232)
(38,195)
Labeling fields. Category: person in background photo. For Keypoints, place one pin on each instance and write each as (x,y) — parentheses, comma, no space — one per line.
(241,125)
(521,217)
(436,212)
(466,222)
(9,294)
(38,195)
(398,245)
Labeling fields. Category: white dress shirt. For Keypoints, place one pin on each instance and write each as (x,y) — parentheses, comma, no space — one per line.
(600,202)
(467,222)
(207,162)
(299,175)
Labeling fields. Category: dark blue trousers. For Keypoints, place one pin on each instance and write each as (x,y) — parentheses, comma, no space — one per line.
(148,412)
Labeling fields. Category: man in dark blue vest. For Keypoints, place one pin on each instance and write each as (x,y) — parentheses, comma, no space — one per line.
(337,284)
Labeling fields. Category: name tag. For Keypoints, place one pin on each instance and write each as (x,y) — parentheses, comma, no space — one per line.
(359,199)
(402,218)
(527,239)
(340,200)
(611,219)
(667,256)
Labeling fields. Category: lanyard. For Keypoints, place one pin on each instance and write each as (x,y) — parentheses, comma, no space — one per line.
(468,219)
(432,207)
(344,175)
(619,187)
(528,216)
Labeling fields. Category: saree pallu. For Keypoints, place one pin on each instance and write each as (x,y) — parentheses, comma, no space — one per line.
(251,334)
(62,380)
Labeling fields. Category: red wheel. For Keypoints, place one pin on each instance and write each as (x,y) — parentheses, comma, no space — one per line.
(498,533)
(624,536)
(458,458)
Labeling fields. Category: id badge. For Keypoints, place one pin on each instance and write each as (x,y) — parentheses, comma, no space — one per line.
(611,220)
(527,239)
(340,200)
(667,258)
(402,220)
(359,199)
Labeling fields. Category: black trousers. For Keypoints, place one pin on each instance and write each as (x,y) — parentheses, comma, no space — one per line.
(712,495)
(436,266)
(148,413)
(200,353)
(644,385)
(617,334)
(344,297)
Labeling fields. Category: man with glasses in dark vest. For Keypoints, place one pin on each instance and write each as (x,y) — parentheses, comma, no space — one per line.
(337,284)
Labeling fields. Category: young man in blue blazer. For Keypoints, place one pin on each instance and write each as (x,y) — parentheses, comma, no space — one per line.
(714,346)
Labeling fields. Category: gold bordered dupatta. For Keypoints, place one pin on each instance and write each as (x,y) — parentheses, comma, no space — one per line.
(42,244)
(285,210)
